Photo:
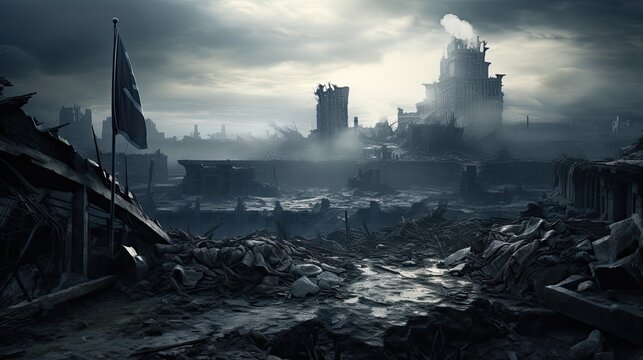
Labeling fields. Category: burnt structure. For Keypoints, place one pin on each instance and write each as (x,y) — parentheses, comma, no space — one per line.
(211,178)
(54,211)
(464,91)
(332,110)
(434,138)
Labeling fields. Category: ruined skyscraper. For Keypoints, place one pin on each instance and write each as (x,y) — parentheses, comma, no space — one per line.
(77,128)
(332,109)
(464,91)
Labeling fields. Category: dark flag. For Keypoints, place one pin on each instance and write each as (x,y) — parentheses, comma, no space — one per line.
(128,119)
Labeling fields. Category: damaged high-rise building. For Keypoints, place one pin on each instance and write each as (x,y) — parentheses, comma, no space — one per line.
(464,91)
(76,127)
(332,109)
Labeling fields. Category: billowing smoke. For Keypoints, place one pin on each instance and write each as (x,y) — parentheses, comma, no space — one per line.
(458,28)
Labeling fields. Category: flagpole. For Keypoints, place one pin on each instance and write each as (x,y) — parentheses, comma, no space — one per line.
(111,203)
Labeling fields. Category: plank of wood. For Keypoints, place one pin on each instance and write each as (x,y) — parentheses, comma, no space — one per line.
(97,192)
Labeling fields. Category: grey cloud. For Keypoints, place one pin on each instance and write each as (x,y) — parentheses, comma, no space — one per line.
(63,49)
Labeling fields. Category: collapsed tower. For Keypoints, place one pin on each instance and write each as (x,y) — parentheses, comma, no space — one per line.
(332,110)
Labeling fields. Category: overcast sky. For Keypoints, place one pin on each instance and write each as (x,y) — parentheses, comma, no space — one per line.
(245,63)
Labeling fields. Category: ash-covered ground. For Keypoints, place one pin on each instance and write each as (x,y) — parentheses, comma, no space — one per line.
(380,294)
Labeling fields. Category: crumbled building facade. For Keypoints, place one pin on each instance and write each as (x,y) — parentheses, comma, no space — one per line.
(77,128)
(212,178)
(332,110)
(610,190)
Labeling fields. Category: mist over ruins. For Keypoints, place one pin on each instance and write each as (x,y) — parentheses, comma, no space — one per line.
(357,179)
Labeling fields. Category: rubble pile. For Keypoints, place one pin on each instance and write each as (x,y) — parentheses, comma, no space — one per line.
(416,239)
(525,257)
(257,263)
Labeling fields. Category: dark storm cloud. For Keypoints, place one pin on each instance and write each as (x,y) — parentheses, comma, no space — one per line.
(210,59)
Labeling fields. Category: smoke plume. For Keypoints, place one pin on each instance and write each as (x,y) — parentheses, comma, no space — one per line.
(457,27)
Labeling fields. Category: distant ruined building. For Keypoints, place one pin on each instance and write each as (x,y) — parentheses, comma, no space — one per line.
(77,128)
(464,91)
(332,110)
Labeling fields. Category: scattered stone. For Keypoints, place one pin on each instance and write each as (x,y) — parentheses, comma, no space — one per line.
(457,270)
(333,269)
(302,287)
(327,280)
(186,275)
(582,258)
(623,235)
(625,273)
(258,338)
(585,245)
(307,270)
(270,280)
(586,286)
(586,348)
(408,263)
(456,258)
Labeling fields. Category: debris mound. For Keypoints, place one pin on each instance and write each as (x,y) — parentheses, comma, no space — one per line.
(257,263)
(524,257)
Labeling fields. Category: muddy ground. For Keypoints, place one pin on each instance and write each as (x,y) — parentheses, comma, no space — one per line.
(395,303)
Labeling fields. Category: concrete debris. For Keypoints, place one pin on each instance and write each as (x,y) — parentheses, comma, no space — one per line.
(586,348)
(623,235)
(188,276)
(456,258)
(327,280)
(586,285)
(303,287)
(257,263)
(526,256)
(307,270)
(523,257)
(625,273)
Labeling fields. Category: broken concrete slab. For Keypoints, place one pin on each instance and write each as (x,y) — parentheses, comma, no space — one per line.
(307,270)
(303,287)
(456,258)
(186,275)
(614,314)
(625,273)
(623,235)
(327,280)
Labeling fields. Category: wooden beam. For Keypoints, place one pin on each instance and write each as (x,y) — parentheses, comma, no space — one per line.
(80,232)
(25,309)
(89,177)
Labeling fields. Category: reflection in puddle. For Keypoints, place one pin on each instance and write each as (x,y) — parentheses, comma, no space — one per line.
(388,288)
(380,312)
